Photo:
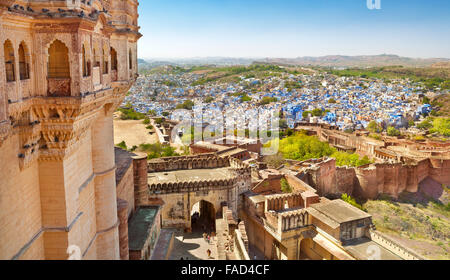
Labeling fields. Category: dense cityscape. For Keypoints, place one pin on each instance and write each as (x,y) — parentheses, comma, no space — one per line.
(349,103)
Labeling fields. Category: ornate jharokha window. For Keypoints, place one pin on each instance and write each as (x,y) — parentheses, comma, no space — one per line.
(58,69)
(130,58)
(113,59)
(24,66)
(96,58)
(58,60)
(105,61)
(86,63)
(9,61)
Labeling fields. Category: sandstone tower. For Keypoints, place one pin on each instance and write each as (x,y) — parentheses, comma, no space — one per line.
(65,66)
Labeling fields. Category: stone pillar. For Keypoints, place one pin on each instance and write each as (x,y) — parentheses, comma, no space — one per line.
(140,180)
(122,212)
(105,188)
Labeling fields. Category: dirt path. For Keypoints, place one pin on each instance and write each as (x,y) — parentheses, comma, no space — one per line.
(133,133)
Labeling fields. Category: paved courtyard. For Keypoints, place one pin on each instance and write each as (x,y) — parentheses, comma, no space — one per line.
(193,247)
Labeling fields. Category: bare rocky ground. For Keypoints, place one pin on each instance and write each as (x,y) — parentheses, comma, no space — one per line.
(133,133)
(419,221)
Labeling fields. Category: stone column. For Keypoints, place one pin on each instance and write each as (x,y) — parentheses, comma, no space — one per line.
(122,212)
(105,188)
(140,180)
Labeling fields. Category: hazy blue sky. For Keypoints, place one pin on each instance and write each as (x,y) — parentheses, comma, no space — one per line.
(292,28)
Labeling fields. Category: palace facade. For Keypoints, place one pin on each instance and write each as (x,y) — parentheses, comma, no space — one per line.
(65,66)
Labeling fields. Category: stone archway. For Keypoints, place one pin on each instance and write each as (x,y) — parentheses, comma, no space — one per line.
(203,217)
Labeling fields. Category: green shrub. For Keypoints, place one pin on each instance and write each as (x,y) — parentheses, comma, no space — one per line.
(186,105)
(392,131)
(302,147)
(285,187)
(350,200)
(374,127)
(122,145)
(157,150)
(441,126)
(131,114)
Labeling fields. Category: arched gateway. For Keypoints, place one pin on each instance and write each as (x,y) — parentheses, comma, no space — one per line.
(205,180)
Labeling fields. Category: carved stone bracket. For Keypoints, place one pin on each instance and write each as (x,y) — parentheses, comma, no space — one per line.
(5,131)
(51,128)
(309,234)
(29,136)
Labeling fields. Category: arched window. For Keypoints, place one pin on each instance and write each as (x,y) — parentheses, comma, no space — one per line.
(105,61)
(58,60)
(86,63)
(113,59)
(96,58)
(24,66)
(9,61)
(130,58)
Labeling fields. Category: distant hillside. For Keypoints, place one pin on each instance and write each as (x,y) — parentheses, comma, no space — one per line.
(358,61)
(441,65)
(195,61)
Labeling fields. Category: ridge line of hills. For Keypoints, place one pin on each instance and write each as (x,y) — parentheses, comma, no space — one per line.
(340,61)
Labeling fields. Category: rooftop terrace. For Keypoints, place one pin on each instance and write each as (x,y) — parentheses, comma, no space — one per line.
(189,175)
(140,225)
(340,211)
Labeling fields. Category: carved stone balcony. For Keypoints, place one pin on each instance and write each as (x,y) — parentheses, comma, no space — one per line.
(59,86)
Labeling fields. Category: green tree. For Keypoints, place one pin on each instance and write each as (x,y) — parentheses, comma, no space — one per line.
(441,126)
(267,100)
(392,131)
(302,147)
(426,124)
(245,98)
(317,112)
(129,113)
(186,105)
(374,127)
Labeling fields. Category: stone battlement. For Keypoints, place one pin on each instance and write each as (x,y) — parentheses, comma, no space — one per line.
(371,180)
(203,161)
(285,221)
(277,202)
(191,186)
